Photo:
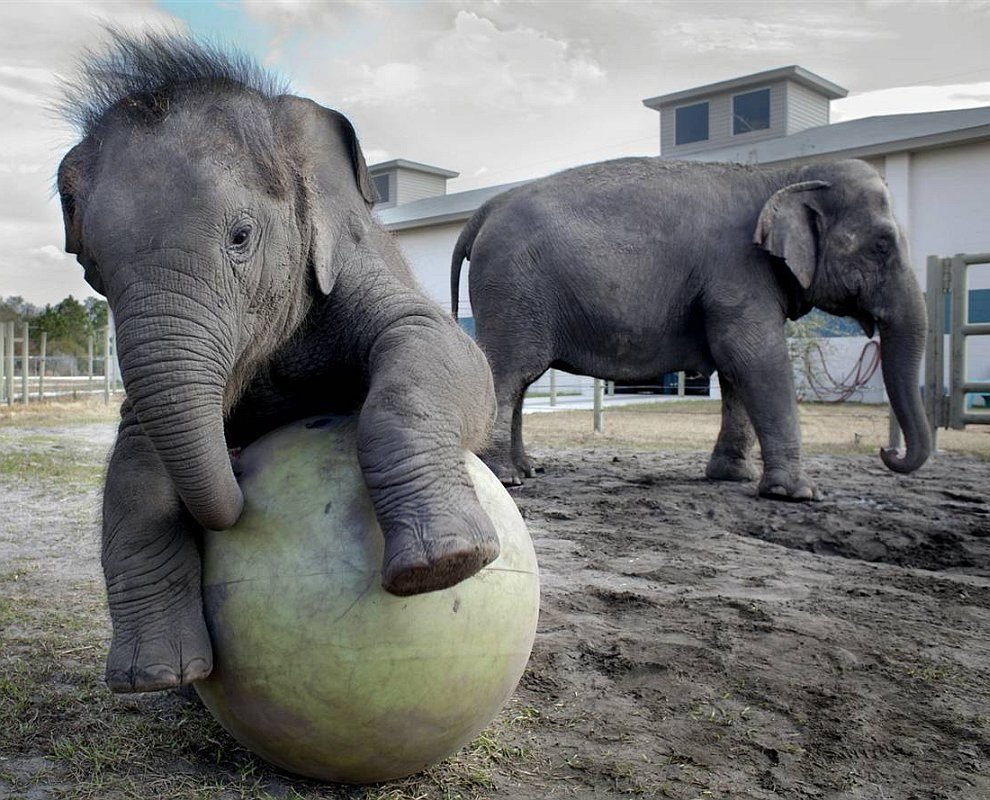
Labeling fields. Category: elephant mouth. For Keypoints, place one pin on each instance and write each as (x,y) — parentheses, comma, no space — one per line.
(868,323)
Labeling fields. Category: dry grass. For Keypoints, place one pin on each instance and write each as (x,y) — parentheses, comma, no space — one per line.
(842,429)
(846,429)
(49,413)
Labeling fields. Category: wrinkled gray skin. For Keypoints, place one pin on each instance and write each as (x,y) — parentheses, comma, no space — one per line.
(230,231)
(632,268)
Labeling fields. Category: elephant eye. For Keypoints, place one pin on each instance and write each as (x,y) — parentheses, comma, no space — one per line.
(883,245)
(241,234)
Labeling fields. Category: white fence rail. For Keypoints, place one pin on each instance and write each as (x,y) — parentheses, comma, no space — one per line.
(25,378)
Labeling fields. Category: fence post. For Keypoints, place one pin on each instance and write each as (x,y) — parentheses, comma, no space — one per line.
(106,367)
(957,341)
(25,364)
(42,359)
(89,362)
(3,362)
(553,387)
(9,357)
(936,287)
(680,383)
(599,413)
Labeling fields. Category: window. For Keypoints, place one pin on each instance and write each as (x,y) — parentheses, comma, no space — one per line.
(691,124)
(751,112)
(380,182)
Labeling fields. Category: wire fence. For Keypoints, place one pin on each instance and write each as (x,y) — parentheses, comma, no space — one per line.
(25,378)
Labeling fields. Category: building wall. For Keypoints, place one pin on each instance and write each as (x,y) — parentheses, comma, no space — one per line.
(805,108)
(720,121)
(428,251)
(949,190)
(948,215)
(413,185)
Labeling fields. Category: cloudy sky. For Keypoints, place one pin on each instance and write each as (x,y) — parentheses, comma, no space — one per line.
(495,90)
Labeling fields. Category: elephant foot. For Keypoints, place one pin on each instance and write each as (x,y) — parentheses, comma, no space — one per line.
(432,554)
(723,467)
(527,466)
(781,484)
(507,470)
(172,652)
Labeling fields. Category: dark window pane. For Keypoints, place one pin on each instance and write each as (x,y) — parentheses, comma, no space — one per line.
(691,124)
(380,182)
(751,111)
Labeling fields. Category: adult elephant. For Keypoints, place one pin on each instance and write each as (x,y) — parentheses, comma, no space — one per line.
(631,268)
(229,226)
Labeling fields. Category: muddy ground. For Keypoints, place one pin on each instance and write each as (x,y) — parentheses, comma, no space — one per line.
(694,642)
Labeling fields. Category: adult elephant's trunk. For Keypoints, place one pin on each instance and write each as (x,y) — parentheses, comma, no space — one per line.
(174,369)
(902,345)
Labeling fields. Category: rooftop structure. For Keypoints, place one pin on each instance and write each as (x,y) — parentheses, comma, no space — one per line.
(764,105)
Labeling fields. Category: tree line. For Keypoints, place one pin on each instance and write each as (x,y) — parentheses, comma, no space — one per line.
(69,323)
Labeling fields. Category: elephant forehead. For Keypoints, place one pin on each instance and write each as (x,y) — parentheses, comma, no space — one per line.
(207,139)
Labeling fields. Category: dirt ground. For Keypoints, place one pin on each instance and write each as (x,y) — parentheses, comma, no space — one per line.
(694,641)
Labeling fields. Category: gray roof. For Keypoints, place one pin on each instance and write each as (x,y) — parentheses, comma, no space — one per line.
(858,138)
(437,210)
(793,73)
(401,163)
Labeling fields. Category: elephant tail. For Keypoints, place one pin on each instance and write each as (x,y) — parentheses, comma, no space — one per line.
(462,250)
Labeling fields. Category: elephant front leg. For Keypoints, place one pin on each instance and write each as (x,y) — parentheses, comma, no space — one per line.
(152,566)
(755,361)
(419,419)
(731,460)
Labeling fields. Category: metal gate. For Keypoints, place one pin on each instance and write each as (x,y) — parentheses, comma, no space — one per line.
(945,401)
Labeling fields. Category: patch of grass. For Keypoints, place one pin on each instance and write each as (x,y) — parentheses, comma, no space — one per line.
(60,413)
(43,459)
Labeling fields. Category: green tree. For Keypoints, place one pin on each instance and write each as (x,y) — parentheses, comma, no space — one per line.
(68,326)
(99,314)
(16,309)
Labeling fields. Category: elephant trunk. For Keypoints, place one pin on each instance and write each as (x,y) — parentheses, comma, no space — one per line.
(902,346)
(174,373)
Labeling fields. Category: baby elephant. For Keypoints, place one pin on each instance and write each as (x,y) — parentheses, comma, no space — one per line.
(228,224)
(632,268)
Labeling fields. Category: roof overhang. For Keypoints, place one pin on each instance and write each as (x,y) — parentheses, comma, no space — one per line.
(792,73)
(414,166)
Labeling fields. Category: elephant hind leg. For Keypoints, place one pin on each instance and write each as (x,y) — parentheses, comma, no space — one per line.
(522,461)
(731,460)
(506,454)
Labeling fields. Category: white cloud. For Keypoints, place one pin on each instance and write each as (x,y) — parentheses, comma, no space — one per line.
(910,100)
(753,35)
(376,156)
(475,64)
(51,253)
(393,84)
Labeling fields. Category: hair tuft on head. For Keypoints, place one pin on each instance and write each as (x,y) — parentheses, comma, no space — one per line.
(149,68)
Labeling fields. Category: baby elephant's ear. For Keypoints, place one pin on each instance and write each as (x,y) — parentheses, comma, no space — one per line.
(71,191)
(333,177)
(787,228)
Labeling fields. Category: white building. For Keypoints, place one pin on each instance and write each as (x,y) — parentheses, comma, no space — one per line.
(936,164)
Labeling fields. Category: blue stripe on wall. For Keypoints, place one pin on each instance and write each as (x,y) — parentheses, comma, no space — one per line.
(468,324)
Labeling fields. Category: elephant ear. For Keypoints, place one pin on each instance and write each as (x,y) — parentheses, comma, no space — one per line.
(337,193)
(787,228)
(71,185)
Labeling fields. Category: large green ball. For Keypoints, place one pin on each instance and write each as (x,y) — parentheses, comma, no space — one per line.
(318,669)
